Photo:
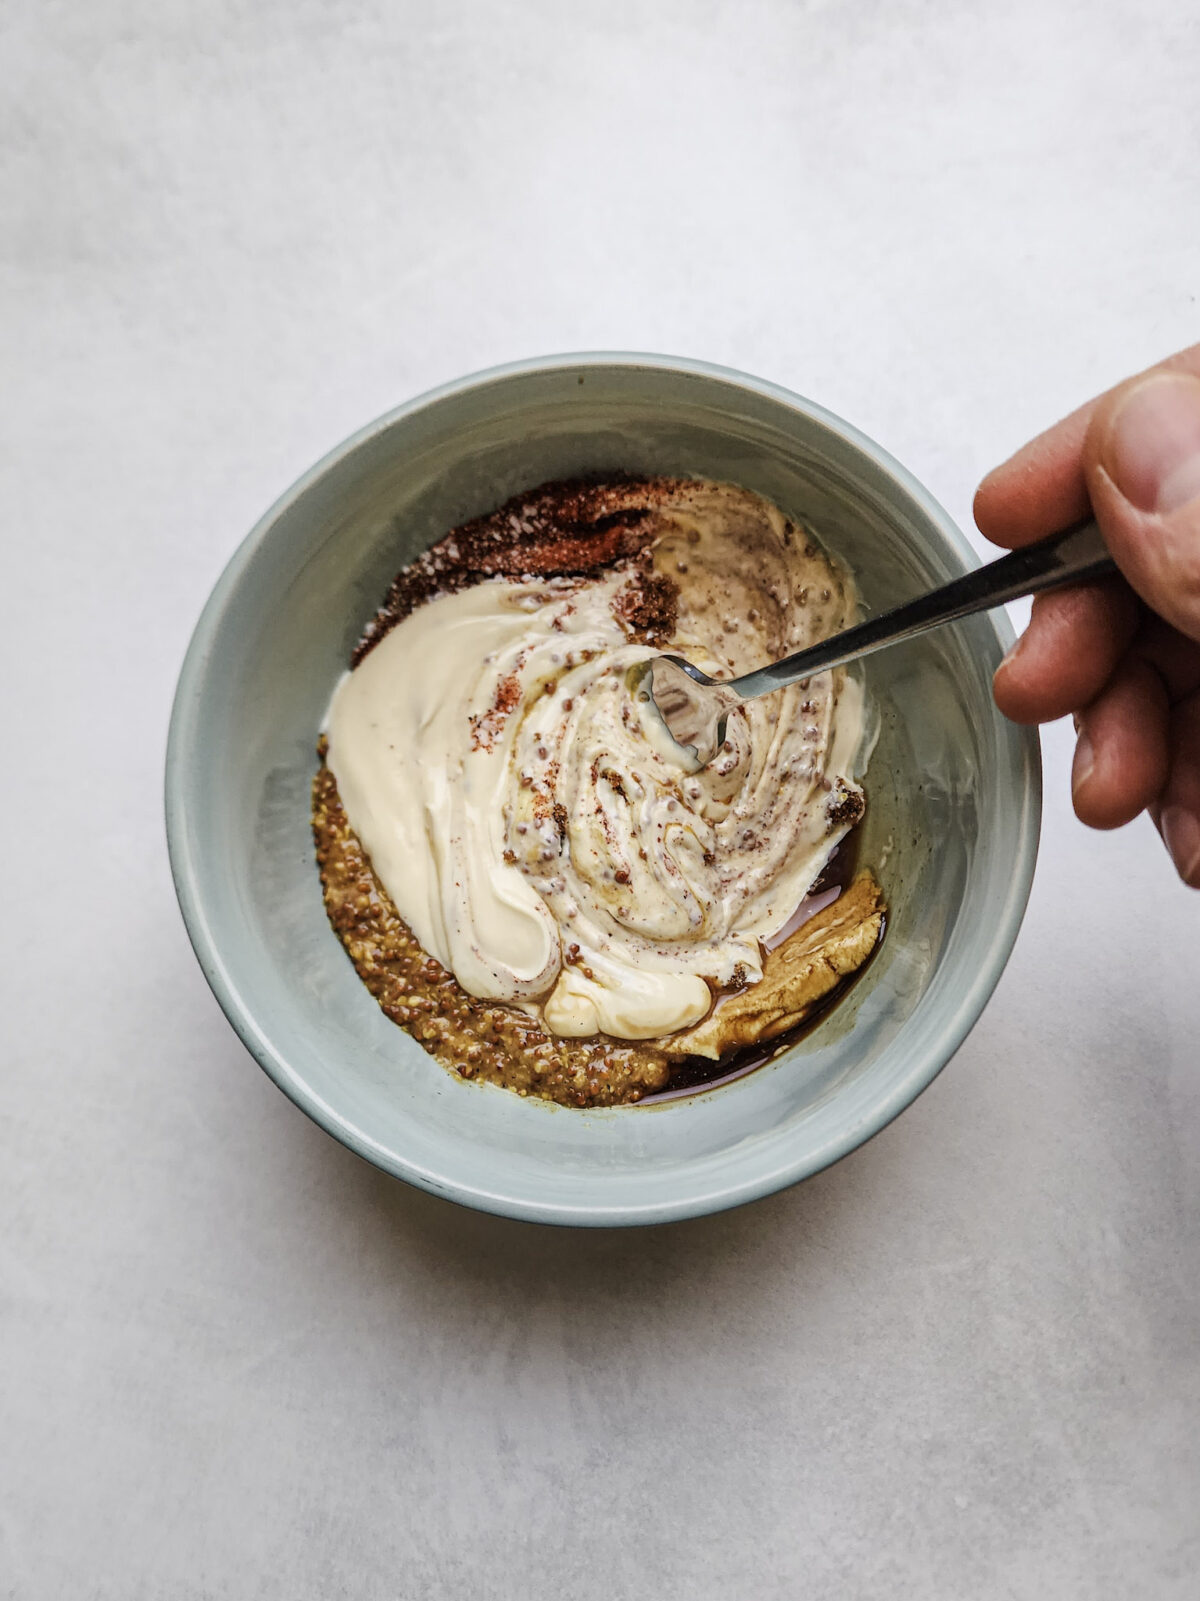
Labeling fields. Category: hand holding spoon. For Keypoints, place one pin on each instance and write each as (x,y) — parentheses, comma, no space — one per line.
(694,707)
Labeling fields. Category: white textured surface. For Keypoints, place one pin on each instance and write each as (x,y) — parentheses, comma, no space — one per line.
(236,1361)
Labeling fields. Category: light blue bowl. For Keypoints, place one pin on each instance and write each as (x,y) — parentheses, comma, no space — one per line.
(952,822)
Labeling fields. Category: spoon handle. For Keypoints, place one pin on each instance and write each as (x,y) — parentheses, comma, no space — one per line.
(1074,556)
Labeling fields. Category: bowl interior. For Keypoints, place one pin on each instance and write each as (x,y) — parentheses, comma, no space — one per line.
(952,790)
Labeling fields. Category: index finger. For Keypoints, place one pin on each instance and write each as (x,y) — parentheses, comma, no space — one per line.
(1041,489)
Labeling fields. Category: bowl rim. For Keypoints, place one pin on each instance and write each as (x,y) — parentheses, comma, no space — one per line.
(181,744)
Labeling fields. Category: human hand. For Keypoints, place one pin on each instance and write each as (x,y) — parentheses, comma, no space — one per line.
(1123,655)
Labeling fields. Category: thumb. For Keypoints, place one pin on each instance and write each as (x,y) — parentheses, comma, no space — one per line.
(1142,461)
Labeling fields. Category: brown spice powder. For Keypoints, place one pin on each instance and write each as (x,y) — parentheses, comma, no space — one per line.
(571,528)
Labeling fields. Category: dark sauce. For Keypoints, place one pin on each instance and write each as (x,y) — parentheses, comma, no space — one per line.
(692,1074)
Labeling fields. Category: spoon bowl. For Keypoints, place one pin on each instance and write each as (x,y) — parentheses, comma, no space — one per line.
(693,708)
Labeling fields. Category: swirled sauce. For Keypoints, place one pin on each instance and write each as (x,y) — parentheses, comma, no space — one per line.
(525,822)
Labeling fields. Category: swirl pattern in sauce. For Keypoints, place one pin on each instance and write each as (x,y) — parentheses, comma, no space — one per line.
(497,770)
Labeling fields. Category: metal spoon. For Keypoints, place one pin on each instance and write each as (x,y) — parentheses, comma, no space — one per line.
(694,707)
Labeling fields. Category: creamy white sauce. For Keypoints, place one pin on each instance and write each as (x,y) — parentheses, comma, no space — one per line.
(534,835)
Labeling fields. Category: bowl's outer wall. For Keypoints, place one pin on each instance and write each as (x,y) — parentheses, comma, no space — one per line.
(954,794)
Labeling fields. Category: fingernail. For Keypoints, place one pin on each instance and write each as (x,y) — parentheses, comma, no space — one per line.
(1181,835)
(1081,767)
(1152,452)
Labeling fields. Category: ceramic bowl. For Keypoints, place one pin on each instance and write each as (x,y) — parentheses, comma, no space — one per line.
(952,821)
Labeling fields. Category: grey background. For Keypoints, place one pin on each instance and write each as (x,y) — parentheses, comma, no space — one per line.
(237,1362)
